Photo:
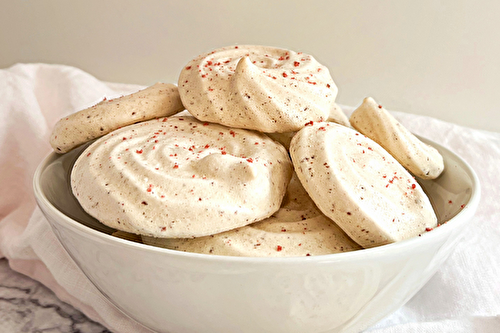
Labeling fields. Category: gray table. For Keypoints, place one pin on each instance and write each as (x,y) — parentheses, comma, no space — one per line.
(28,306)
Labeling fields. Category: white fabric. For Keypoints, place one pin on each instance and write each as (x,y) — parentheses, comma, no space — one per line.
(464,295)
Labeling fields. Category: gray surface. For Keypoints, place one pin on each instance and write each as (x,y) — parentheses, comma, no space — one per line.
(28,306)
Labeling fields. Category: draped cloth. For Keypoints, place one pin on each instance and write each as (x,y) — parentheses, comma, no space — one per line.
(463,296)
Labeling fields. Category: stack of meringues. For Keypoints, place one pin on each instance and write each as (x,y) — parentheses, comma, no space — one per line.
(264,163)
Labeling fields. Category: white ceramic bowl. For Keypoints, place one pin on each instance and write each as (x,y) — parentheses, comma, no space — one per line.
(171,291)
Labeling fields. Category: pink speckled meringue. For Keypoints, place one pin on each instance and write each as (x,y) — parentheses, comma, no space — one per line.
(159,100)
(257,87)
(179,177)
(298,228)
(336,116)
(375,122)
(359,185)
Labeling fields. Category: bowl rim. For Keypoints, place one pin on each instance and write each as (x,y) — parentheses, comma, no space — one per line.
(466,213)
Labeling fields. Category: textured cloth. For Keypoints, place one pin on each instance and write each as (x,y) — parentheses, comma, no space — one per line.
(463,296)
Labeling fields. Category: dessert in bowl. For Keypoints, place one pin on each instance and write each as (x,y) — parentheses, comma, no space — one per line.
(177,219)
(173,291)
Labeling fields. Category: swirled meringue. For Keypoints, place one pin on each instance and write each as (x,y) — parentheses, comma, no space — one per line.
(179,177)
(298,228)
(359,185)
(159,100)
(257,87)
(375,122)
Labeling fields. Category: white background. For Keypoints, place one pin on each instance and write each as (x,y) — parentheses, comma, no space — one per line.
(436,58)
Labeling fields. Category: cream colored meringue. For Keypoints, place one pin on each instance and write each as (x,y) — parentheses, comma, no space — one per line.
(298,228)
(375,122)
(179,177)
(159,100)
(257,87)
(283,138)
(359,185)
(336,116)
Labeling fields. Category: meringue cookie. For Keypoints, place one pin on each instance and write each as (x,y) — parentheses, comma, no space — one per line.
(336,116)
(159,100)
(298,228)
(283,138)
(359,185)
(375,122)
(179,177)
(257,87)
